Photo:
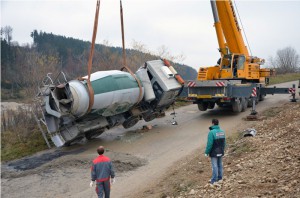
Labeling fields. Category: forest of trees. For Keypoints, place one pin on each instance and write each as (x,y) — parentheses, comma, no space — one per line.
(23,67)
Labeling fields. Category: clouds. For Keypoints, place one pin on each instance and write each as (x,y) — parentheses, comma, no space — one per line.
(184,26)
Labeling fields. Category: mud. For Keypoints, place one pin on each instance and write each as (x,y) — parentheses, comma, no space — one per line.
(37,161)
(49,162)
(126,162)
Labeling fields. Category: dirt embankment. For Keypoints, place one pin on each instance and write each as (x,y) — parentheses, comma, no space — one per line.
(267,165)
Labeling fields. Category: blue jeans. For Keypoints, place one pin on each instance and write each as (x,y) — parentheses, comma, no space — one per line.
(217,169)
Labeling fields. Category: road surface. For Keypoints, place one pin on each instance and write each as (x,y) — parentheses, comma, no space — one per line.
(141,157)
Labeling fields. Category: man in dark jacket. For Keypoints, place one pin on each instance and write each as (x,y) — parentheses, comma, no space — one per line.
(101,172)
(215,149)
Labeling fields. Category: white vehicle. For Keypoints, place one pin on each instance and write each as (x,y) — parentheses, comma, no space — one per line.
(116,101)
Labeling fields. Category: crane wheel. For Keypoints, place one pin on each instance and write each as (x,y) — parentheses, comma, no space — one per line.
(202,106)
(261,97)
(237,105)
(250,102)
(211,105)
(244,102)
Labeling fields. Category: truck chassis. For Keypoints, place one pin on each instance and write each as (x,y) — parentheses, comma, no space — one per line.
(234,93)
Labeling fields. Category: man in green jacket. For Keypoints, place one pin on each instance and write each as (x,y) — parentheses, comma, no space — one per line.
(215,150)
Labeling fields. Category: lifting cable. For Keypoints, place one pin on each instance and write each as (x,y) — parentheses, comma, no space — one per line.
(242,27)
(89,85)
(124,57)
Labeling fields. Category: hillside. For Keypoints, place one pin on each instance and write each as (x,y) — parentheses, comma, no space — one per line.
(266,165)
(23,67)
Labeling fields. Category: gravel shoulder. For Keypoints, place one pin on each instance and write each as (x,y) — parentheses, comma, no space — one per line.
(266,165)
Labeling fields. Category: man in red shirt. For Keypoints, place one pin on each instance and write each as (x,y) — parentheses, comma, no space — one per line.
(103,173)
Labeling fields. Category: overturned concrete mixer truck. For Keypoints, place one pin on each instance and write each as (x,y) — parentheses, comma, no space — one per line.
(116,101)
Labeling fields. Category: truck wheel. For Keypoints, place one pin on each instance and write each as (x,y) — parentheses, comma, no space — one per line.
(237,105)
(220,104)
(131,121)
(250,102)
(211,105)
(203,106)
(150,116)
(244,102)
(261,97)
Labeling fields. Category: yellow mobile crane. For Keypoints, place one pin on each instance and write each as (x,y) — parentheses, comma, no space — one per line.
(237,77)
(235,62)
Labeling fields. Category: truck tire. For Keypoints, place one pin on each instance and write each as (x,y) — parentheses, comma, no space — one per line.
(202,106)
(261,97)
(150,116)
(244,102)
(211,105)
(250,102)
(130,122)
(237,106)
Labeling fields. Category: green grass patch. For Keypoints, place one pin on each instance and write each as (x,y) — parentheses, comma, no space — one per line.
(281,78)
(8,96)
(241,148)
(233,138)
(238,145)
(13,148)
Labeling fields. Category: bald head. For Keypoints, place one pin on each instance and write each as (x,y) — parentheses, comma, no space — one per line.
(100,150)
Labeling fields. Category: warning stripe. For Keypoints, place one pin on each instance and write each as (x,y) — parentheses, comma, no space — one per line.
(191,84)
(292,90)
(220,84)
(253,94)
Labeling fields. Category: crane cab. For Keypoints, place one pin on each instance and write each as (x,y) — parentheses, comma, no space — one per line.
(231,66)
(235,66)
(238,66)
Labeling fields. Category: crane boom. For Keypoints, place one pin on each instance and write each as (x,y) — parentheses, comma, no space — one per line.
(230,27)
(218,27)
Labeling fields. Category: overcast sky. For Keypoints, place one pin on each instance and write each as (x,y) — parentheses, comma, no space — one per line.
(184,26)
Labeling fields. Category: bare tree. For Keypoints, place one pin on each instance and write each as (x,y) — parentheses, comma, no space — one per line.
(34,66)
(164,52)
(7,32)
(286,61)
(139,46)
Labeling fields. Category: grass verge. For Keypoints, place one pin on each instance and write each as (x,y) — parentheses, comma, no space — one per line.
(281,78)
(14,148)
(237,144)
